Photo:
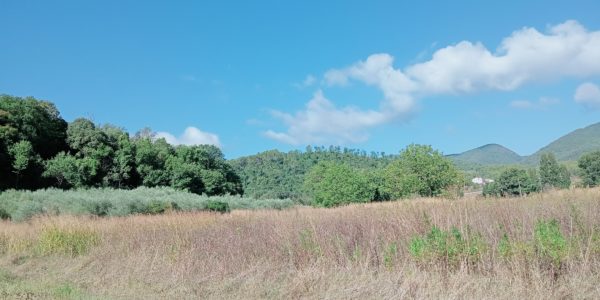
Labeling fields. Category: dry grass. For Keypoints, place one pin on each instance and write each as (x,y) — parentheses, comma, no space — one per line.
(352,252)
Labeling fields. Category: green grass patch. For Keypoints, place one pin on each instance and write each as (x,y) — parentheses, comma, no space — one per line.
(71,242)
(447,248)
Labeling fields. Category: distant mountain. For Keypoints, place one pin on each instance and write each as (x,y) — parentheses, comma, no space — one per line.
(572,145)
(491,154)
(566,148)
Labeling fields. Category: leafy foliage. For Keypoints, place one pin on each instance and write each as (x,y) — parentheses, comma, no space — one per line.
(420,170)
(552,174)
(218,206)
(274,174)
(513,182)
(331,184)
(590,168)
(550,244)
(448,248)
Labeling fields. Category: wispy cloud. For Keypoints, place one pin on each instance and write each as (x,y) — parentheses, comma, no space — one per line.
(527,55)
(540,104)
(309,81)
(588,95)
(191,136)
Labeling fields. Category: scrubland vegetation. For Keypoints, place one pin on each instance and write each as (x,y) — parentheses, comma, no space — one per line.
(542,246)
(21,206)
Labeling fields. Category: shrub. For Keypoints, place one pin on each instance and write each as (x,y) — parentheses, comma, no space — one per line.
(218,206)
(156,207)
(4,215)
(550,244)
(21,205)
(449,248)
(27,210)
(99,208)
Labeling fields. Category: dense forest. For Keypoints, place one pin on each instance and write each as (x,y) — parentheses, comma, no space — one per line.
(39,149)
(275,174)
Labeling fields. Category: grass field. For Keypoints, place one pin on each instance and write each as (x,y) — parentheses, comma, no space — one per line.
(544,246)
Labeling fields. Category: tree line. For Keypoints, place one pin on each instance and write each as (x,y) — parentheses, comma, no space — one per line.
(39,149)
(549,175)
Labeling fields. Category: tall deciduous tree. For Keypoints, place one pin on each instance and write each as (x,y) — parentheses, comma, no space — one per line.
(420,170)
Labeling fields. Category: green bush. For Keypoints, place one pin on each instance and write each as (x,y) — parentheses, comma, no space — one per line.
(550,244)
(156,207)
(449,248)
(218,206)
(99,208)
(26,210)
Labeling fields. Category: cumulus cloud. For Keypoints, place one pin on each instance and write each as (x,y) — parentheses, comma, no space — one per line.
(588,95)
(542,103)
(191,136)
(527,55)
(567,50)
(322,122)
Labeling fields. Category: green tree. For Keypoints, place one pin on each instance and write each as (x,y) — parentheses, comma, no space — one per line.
(202,169)
(552,174)
(69,171)
(589,164)
(122,172)
(331,184)
(22,156)
(150,159)
(36,122)
(184,175)
(516,182)
(420,170)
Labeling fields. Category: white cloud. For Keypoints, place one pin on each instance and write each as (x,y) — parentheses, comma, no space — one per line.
(527,55)
(191,136)
(322,122)
(542,103)
(588,94)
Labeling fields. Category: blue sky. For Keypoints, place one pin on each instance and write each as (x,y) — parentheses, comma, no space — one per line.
(258,75)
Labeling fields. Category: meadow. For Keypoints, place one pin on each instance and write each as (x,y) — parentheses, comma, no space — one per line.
(543,246)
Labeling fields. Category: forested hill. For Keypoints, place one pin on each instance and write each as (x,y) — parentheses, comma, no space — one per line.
(491,154)
(275,174)
(568,147)
(572,145)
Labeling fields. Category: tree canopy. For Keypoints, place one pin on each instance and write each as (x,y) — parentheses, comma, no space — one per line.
(39,149)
